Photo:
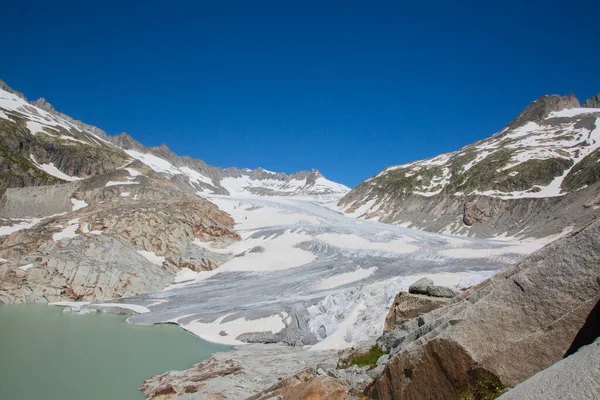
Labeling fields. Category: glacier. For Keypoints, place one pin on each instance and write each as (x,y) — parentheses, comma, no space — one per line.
(308,275)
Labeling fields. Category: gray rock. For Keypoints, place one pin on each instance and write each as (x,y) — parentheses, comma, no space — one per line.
(540,108)
(573,378)
(441,291)
(593,102)
(237,374)
(420,286)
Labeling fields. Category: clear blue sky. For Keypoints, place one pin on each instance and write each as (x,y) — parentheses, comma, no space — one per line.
(345,87)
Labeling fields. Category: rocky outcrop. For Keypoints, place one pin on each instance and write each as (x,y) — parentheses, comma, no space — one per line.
(306,385)
(539,109)
(125,240)
(593,102)
(175,383)
(251,372)
(499,333)
(87,267)
(407,306)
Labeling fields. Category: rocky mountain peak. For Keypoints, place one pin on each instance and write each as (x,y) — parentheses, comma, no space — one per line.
(126,141)
(8,89)
(539,109)
(592,102)
(44,105)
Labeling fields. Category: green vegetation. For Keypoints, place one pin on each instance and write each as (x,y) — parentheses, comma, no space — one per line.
(486,389)
(362,359)
(585,172)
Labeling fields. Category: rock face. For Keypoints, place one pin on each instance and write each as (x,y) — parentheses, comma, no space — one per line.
(593,102)
(540,109)
(407,306)
(531,179)
(97,252)
(573,378)
(500,332)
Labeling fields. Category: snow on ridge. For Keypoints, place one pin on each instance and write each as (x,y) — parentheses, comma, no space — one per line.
(38,119)
(573,112)
(553,189)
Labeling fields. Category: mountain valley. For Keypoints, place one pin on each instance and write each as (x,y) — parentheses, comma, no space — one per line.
(302,271)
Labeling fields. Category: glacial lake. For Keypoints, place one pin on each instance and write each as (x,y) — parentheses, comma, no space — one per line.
(49,354)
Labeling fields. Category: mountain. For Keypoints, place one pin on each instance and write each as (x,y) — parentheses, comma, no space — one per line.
(88,216)
(537,176)
(48,147)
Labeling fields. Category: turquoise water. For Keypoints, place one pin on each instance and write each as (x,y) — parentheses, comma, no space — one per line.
(46,354)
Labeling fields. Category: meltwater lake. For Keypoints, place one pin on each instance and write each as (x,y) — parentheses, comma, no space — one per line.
(46,353)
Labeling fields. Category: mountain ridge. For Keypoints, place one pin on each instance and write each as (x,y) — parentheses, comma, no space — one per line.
(550,150)
(195,174)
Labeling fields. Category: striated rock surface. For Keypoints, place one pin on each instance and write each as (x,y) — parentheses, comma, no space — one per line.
(441,291)
(501,330)
(126,239)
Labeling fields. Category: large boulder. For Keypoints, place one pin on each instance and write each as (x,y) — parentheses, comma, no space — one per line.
(420,286)
(517,324)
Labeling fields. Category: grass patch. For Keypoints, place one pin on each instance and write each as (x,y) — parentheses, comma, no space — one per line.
(362,359)
(486,389)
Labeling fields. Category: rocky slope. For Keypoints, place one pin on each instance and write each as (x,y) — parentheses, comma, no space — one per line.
(497,334)
(87,216)
(524,180)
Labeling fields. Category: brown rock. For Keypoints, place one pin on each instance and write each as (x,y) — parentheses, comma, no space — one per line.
(407,306)
(306,385)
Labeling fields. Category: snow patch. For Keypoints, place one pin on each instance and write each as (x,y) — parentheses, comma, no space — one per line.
(78,204)
(151,256)
(68,231)
(50,169)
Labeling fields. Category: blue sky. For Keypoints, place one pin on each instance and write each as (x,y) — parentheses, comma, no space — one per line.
(345,87)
